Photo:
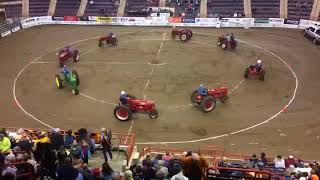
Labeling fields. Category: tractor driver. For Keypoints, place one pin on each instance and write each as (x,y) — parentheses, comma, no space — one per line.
(203,91)
(123,97)
(64,70)
(110,35)
(258,65)
(68,48)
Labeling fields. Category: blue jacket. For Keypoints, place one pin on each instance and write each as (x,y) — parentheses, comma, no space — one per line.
(202,91)
(123,98)
(258,66)
(65,71)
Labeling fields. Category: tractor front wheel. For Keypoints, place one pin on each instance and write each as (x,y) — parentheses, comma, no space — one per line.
(122,113)
(76,56)
(223,46)
(75,91)
(224,99)
(100,44)
(208,104)
(183,37)
(246,73)
(58,82)
(262,74)
(153,114)
(114,41)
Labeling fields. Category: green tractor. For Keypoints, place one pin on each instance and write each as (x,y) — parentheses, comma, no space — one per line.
(70,78)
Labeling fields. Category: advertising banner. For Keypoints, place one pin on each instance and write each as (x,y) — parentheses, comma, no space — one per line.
(15,29)
(261,20)
(175,20)
(292,21)
(104,19)
(70,18)
(6,33)
(55,18)
(206,21)
(188,20)
(92,18)
(276,21)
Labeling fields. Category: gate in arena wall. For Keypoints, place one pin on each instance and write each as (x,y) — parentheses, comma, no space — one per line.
(3,16)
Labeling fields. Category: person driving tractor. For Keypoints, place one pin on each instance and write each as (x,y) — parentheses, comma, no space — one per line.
(258,65)
(230,37)
(123,97)
(110,35)
(65,71)
(203,91)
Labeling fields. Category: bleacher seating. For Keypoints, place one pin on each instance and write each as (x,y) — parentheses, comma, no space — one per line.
(102,8)
(12,11)
(298,9)
(134,7)
(38,7)
(190,9)
(224,8)
(67,7)
(265,8)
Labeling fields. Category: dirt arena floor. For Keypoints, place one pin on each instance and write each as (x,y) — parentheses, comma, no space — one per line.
(148,63)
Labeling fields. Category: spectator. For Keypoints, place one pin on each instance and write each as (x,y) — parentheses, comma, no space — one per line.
(148,171)
(156,159)
(106,143)
(137,173)
(263,159)
(290,161)
(27,158)
(106,172)
(279,162)
(75,150)
(174,167)
(66,171)
(314,176)
(179,175)
(252,162)
(4,143)
(42,138)
(128,175)
(24,143)
(194,166)
(299,163)
(86,172)
(56,139)
(85,152)
(144,162)
(167,157)
(162,173)
(92,143)
(235,14)
(69,138)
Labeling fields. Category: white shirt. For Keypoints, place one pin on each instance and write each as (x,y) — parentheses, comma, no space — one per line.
(179,176)
(279,163)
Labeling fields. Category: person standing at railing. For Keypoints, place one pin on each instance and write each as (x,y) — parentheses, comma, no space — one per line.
(106,144)
(4,143)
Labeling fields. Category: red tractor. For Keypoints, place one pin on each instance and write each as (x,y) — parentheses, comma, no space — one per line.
(66,53)
(224,43)
(208,102)
(124,112)
(184,34)
(108,40)
(252,71)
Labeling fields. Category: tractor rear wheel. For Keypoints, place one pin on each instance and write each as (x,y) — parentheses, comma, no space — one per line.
(261,78)
(76,76)
(114,41)
(58,82)
(153,114)
(76,56)
(207,104)
(246,73)
(183,37)
(100,44)
(122,113)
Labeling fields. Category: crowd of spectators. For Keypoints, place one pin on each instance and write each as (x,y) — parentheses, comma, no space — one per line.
(189,166)
(288,167)
(185,8)
(51,155)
